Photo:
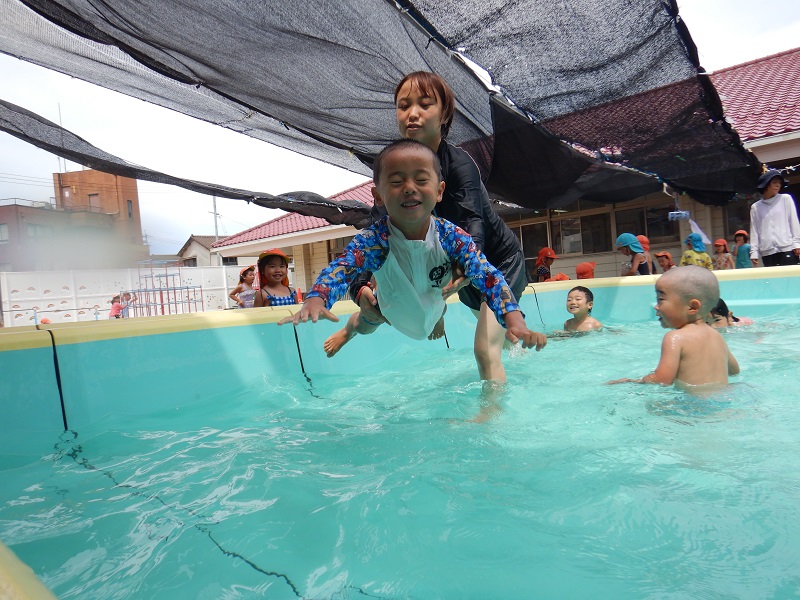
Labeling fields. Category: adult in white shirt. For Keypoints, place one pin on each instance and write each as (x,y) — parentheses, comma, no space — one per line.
(774,228)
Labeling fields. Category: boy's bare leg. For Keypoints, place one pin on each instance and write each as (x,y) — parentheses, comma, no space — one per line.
(355,324)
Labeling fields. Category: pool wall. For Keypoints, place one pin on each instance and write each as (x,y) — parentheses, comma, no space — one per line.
(69,376)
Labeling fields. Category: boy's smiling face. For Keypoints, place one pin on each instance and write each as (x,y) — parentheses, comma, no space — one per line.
(672,310)
(409,188)
(577,304)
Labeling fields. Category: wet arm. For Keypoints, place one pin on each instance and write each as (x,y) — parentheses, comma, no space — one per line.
(667,369)
(733,364)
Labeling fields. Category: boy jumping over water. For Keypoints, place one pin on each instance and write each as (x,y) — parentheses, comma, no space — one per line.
(693,354)
(410,253)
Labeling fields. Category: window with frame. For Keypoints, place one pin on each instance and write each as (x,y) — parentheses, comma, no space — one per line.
(652,221)
(189,262)
(337,246)
(566,235)
(36,230)
(130,209)
(229,260)
(3,233)
(660,230)
(586,234)
(630,220)
(533,237)
(737,214)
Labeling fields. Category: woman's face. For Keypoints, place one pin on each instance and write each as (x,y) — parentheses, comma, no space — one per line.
(419,116)
(773,187)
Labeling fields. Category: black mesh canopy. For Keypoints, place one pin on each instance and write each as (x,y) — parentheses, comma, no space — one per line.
(617,78)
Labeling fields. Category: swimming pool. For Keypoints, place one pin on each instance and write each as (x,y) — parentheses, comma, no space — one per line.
(280,485)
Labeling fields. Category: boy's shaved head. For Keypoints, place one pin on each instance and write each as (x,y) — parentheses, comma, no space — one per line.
(404,144)
(693,282)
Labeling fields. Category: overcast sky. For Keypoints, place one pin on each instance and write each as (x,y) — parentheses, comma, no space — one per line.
(727,32)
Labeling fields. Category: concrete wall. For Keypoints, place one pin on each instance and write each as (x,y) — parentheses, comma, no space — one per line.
(80,296)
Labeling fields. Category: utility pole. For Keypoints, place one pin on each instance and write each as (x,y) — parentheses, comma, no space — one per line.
(216,228)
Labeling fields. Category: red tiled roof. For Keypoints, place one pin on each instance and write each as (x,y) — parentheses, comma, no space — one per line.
(295,223)
(361,192)
(288,223)
(762,96)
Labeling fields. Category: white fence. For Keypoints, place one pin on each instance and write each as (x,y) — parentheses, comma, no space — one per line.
(73,296)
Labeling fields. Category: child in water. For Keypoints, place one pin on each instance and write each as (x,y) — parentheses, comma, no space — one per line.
(580,301)
(244,294)
(693,353)
(273,271)
(721,316)
(410,254)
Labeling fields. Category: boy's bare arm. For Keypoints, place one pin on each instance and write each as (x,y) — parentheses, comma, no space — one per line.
(733,364)
(670,361)
(313,309)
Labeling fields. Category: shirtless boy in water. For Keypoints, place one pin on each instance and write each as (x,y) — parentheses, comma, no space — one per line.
(411,254)
(693,354)
(580,301)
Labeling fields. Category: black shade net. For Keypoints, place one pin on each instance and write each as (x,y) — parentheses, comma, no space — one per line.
(317,77)
(47,135)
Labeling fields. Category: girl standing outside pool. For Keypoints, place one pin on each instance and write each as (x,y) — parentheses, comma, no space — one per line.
(631,248)
(424,106)
(741,249)
(543,263)
(273,272)
(723,260)
(244,293)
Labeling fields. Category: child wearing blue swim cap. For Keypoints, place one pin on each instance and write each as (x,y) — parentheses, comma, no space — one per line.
(696,254)
(630,247)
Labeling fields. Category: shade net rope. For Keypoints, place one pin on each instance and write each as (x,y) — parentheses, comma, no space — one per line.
(317,77)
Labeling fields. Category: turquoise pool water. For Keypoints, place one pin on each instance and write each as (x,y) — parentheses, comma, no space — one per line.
(375,486)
